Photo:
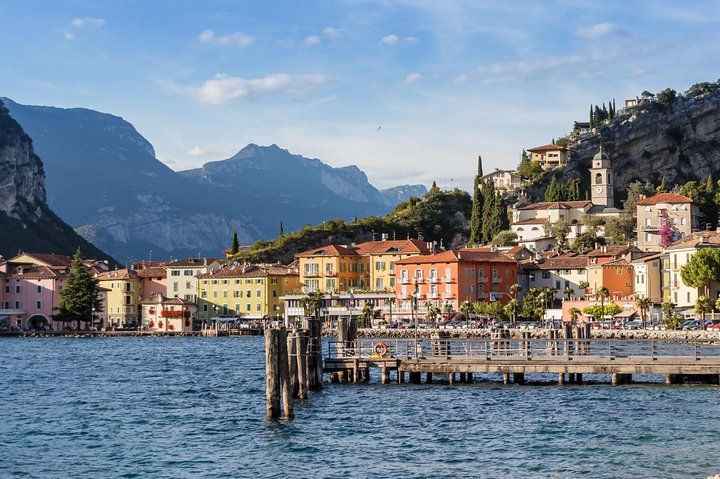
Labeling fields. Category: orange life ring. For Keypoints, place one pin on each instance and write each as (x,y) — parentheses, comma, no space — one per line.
(380,349)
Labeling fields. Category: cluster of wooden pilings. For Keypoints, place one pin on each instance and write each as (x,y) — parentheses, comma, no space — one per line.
(293,365)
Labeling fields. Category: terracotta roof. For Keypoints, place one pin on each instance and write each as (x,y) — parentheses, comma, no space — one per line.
(665,198)
(546,148)
(152,272)
(51,259)
(564,262)
(118,274)
(613,250)
(474,255)
(329,250)
(699,239)
(392,246)
(190,262)
(617,262)
(32,271)
(555,205)
(251,271)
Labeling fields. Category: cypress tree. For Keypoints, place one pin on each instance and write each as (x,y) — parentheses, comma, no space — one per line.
(592,119)
(502,214)
(282,230)
(488,210)
(709,185)
(553,191)
(235,245)
(476,215)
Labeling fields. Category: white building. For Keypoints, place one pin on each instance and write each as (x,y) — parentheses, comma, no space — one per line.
(182,274)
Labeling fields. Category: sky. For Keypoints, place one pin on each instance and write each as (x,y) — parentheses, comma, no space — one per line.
(409,91)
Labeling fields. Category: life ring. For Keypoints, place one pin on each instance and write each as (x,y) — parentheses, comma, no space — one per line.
(380,349)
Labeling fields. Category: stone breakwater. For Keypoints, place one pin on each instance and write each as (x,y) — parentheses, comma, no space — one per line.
(661,335)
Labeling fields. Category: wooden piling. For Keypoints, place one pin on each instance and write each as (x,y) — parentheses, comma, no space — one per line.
(383,374)
(284,364)
(451,378)
(293,363)
(428,378)
(470,377)
(272,373)
(302,364)
(356,369)
(506,378)
(561,379)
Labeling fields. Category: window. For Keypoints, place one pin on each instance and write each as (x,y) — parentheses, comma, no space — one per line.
(39,289)
(546,275)
(237,307)
(567,283)
(18,304)
(128,299)
(619,271)
(203,294)
(188,272)
(225,294)
(175,287)
(378,283)
(17,289)
(598,178)
(7,289)
(214,293)
(188,285)
(205,307)
(175,272)
(248,293)
(258,307)
(247,307)
(274,294)
(418,274)
(258,293)
(259,281)
(38,304)
(273,281)
(557,285)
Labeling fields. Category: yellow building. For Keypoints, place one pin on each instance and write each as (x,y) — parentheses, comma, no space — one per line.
(369,266)
(332,268)
(247,291)
(549,156)
(122,294)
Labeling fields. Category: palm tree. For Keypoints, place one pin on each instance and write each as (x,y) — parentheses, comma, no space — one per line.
(584,285)
(644,304)
(574,313)
(432,313)
(568,291)
(466,307)
(367,313)
(390,302)
(514,290)
(704,305)
(551,291)
(602,294)
(511,309)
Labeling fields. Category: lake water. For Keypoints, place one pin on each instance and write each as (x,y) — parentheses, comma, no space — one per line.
(195,407)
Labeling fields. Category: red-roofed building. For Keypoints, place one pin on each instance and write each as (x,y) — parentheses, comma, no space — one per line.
(678,210)
(549,156)
(454,276)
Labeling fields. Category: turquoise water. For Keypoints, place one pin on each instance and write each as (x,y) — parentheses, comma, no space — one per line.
(195,407)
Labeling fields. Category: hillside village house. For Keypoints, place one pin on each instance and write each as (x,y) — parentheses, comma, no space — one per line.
(560,272)
(548,156)
(528,220)
(30,285)
(505,180)
(252,292)
(648,277)
(682,213)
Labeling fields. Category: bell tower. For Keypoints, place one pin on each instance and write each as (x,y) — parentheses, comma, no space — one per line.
(601,180)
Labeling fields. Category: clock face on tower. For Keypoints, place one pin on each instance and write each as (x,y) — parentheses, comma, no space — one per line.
(599,189)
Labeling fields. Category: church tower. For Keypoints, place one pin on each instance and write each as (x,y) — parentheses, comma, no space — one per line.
(601,180)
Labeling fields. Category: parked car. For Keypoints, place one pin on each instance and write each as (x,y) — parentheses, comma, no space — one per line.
(710,322)
(713,327)
(687,322)
(527,325)
(691,325)
(634,324)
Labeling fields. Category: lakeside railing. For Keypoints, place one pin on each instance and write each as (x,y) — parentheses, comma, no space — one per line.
(521,349)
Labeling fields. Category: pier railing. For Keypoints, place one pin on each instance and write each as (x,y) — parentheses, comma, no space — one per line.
(521,349)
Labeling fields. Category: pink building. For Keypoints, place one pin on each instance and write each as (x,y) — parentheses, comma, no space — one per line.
(167,314)
(30,284)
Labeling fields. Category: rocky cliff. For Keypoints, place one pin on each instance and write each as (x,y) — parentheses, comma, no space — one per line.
(26,221)
(675,137)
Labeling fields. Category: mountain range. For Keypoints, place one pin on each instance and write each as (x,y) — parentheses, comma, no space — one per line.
(104,179)
(26,221)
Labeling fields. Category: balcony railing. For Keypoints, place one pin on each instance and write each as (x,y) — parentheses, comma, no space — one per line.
(404,280)
(650,228)
(448,279)
(496,279)
(433,296)
(482,279)
(448,295)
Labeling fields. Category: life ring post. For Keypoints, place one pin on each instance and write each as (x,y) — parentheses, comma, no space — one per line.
(380,349)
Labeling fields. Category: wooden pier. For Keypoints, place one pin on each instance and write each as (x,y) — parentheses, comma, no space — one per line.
(569,359)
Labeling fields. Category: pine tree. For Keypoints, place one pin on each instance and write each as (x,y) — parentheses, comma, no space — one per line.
(434,189)
(597,114)
(477,209)
(235,245)
(605,112)
(282,230)
(80,297)
(709,185)
(662,188)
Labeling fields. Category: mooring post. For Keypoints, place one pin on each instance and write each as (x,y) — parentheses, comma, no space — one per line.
(272,374)
(284,363)
(383,374)
(561,379)
(301,340)
(293,363)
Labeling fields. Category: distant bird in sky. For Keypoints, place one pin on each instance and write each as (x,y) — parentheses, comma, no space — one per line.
(379,128)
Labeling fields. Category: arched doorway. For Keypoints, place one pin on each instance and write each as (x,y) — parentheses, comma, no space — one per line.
(38,322)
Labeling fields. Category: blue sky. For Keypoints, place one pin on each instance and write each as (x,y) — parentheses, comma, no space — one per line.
(410,91)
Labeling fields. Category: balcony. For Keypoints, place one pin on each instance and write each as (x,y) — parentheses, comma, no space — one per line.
(496,279)
(329,274)
(433,280)
(482,279)
(434,296)
(650,228)
(404,280)
(448,295)
(448,279)
(312,274)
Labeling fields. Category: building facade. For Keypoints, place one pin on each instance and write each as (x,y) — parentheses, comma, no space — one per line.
(182,274)
(682,214)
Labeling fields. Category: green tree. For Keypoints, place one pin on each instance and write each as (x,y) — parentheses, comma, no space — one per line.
(311,304)
(568,291)
(671,320)
(600,311)
(505,238)
(80,296)
(367,314)
(574,313)
(584,285)
(558,229)
(476,215)
(467,307)
(702,269)
(602,294)
(666,96)
(552,193)
(235,245)
(432,313)
(282,230)
(644,304)
(704,305)
(529,169)
(489,211)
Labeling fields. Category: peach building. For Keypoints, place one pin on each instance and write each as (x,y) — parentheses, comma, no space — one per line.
(455,276)
(549,156)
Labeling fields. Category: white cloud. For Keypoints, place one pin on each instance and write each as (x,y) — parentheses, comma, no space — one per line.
(597,31)
(393,39)
(223,88)
(390,40)
(237,39)
(332,32)
(413,78)
(311,40)
(77,24)
(196,151)
(87,21)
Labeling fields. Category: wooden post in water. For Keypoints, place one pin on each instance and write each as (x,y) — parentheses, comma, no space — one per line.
(561,379)
(428,378)
(302,364)
(293,363)
(383,374)
(451,378)
(315,365)
(506,378)
(284,364)
(272,373)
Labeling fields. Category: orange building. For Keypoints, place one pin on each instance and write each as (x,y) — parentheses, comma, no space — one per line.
(617,276)
(455,276)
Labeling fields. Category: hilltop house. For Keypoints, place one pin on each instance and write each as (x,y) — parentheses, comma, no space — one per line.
(680,212)
(548,156)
